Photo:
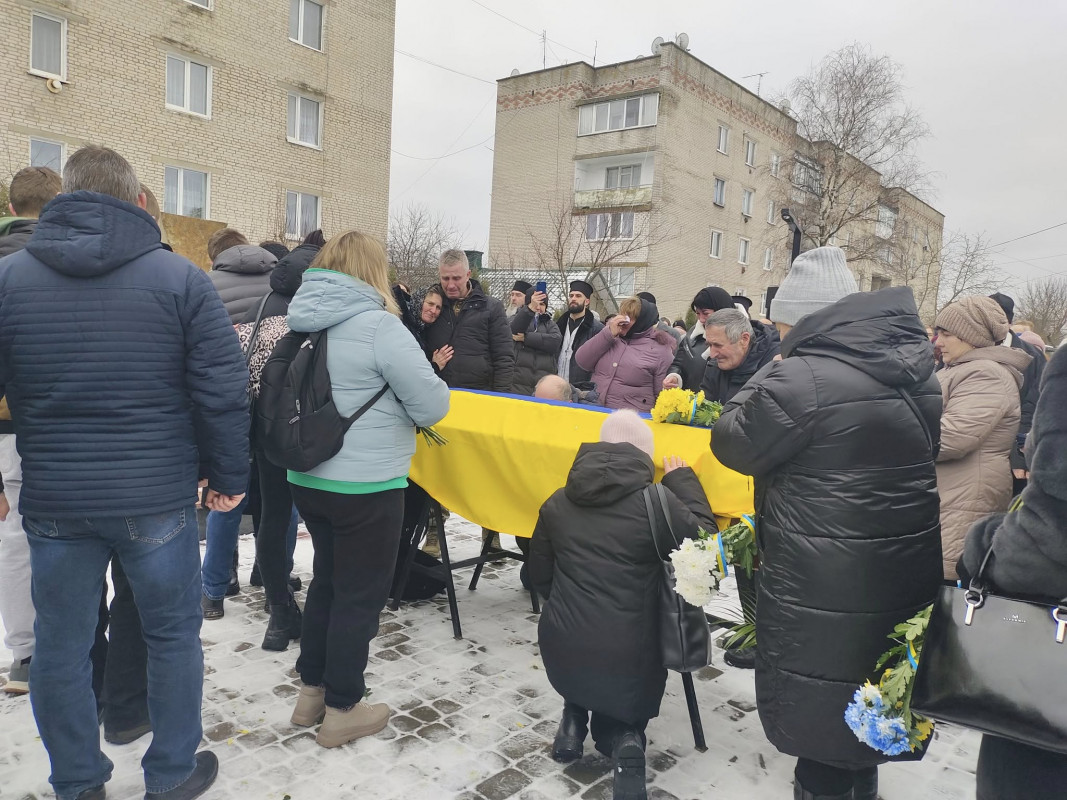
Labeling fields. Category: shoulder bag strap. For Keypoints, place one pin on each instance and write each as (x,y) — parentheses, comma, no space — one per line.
(363,409)
(255,327)
(653,520)
(661,493)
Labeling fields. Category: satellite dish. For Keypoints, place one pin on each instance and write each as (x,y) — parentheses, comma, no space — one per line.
(786,106)
(683,40)
(657,43)
(514,72)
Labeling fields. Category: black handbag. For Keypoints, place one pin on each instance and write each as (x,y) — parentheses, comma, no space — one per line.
(685,639)
(995,664)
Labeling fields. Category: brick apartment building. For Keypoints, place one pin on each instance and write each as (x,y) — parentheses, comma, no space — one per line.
(671,177)
(273,117)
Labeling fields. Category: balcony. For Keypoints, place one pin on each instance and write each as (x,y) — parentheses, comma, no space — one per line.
(613,198)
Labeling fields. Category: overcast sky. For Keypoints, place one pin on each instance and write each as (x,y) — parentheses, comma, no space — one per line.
(986,75)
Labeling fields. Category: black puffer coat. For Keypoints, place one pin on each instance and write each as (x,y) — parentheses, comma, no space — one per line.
(592,557)
(14,234)
(538,353)
(722,385)
(285,279)
(241,275)
(479,332)
(847,504)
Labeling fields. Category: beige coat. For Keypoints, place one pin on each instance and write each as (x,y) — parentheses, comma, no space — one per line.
(978,428)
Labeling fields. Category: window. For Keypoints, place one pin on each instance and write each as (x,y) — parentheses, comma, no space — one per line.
(609,226)
(746,201)
(772,218)
(302,214)
(750,152)
(885,255)
(720,192)
(724,139)
(742,251)
(48,46)
(305,121)
(188,86)
(185,192)
(202,3)
(628,177)
(878,282)
(305,23)
(620,281)
(716,244)
(44,153)
(807,175)
(776,164)
(768,259)
(615,115)
(887,221)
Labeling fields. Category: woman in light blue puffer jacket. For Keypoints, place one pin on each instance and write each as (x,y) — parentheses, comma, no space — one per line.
(353,503)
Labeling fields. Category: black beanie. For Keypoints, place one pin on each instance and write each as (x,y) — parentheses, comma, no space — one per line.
(713,298)
(1006,303)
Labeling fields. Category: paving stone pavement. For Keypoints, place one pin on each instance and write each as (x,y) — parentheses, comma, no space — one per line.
(473,719)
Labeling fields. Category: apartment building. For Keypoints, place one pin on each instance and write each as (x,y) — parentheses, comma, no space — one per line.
(658,174)
(272,116)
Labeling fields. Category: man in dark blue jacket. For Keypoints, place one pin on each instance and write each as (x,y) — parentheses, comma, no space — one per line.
(127,386)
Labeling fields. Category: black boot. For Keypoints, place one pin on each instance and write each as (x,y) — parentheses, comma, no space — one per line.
(865,784)
(255,579)
(213,609)
(283,626)
(570,736)
(628,762)
(740,659)
(800,793)
(235,584)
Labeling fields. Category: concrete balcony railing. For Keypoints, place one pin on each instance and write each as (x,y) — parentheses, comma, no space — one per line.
(613,198)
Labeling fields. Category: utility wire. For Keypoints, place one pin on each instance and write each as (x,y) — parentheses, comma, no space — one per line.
(1028,235)
(442,66)
(538,34)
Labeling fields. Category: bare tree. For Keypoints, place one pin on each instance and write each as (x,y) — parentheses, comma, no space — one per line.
(1044,303)
(857,151)
(965,269)
(417,237)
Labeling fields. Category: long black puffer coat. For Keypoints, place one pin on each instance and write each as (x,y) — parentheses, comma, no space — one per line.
(538,353)
(847,504)
(481,337)
(593,560)
(285,279)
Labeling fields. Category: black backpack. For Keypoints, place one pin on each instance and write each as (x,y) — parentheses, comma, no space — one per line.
(297,425)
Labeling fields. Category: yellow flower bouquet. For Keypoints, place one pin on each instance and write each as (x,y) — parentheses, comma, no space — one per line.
(683,407)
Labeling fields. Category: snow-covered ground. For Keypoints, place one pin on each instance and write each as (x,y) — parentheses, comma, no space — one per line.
(473,719)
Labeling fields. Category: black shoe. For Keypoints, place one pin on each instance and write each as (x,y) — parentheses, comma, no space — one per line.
(570,737)
(295,583)
(204,774)
(212,608)
(865,784)
(128,735)
(628,762)
(800,793)
(741,659)
(96,793)
(284,625)
(255,579)
(235,584)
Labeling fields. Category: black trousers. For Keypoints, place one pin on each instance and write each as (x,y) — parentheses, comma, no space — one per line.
(1011,771)
(356,537)
(276,506)
(604,729)
(120,659)
(822,779)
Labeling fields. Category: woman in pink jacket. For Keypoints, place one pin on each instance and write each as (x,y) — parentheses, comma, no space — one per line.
(629,358)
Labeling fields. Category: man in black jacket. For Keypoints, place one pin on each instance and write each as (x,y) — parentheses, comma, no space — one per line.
(687,371)
(28,193)
(472,337)
(1028,393)
(577,327)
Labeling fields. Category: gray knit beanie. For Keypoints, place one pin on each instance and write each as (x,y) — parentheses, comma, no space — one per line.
(817,279)
(978,321)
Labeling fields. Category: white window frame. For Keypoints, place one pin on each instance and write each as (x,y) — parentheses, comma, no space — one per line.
(296,139)
(772,217)
(768,259)
(724,140)
(716,244)
(297,235)
(605,223)
(647,114)
(181,191)
(748,197)
(887,222)
(750,152)
(776,164)
(207,5)
(743,247)
(300,27)
(715,197)
(630,169)
(62,74)
(62,152)
(188,61)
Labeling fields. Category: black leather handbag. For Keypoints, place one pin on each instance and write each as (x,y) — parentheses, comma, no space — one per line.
(685,639)
(995,664)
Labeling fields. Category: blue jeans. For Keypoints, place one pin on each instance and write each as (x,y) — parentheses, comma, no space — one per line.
(161,558)
(223,531)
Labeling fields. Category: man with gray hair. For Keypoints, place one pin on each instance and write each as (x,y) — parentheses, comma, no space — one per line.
(737,348)
(128,388)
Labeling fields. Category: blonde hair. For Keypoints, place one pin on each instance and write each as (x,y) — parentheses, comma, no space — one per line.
(362,257)
(631,307)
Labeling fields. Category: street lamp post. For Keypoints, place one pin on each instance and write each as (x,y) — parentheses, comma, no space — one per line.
(797,233)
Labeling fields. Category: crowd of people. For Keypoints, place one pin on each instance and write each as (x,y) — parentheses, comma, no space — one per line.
(885,458)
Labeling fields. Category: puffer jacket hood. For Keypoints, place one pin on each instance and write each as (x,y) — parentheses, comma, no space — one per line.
(878,333)
(327,298)
(603,473)
(85,234)
(246,259)
(1016,361)
(288,274)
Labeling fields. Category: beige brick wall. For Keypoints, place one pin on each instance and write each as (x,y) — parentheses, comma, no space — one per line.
(115,95)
